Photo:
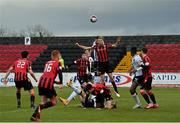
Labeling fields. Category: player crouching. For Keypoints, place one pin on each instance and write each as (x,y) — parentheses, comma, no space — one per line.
(103,96)
(46,85)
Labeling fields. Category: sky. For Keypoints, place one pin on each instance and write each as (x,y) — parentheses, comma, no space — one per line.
(115,17)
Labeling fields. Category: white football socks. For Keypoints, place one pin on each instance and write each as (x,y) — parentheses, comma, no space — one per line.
(136,99)
(76,89)
(73,94)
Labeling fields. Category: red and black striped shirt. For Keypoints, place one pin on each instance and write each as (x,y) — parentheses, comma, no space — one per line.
(20,68)
(100,87)
(102,52)
(82,66)
(48,77)
(147,72)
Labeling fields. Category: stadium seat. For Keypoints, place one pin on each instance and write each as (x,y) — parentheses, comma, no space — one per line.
(165,57)
(158,44)
(10,53)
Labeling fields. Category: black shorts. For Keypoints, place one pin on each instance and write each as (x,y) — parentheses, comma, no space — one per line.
(138,79)
(49,93)
(27,85)
(95,65)
(104,67)
(108,97)
(100,100)
(147,85)
(88,104)
(96,69)
(89,77)
(83,79)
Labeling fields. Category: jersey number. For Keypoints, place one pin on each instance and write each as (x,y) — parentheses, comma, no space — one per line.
(48,68)
(20,64)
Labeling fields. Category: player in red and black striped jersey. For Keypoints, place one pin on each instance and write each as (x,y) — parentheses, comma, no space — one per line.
(103,96)
(101,49)
(82,66)
(21,67)
(46,84)
(145,90)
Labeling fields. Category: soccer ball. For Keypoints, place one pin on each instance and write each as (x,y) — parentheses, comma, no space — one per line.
(93,18)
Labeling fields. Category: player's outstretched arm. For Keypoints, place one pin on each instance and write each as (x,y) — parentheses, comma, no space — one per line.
(83,47)
(32,74)
(7,74)
(118,40)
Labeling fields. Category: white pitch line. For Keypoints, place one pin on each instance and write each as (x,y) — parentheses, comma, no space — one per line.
(12,111)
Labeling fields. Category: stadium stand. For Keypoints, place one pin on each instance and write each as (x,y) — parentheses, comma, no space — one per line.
(118,56)
(164,58)
(70,52)
(10,53)
(124,64)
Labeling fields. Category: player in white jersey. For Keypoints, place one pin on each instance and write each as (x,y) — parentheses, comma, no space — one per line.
(76,87)
(95,57)
(138,76)
(77,90)
(89,68)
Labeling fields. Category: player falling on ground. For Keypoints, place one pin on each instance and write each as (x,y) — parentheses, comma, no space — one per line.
(21,67)
(77,90)
(46,84)
(146,89)
(103,98)
(101,49)
(138,76)
(75,87)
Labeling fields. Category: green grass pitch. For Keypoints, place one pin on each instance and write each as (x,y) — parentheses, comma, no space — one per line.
(168,98)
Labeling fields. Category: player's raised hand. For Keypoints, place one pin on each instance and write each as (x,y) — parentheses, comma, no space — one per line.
(119,39)
(77,44)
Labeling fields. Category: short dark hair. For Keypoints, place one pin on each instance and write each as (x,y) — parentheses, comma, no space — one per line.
(24,54)
(133,50)
(88,87)
(145,50)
